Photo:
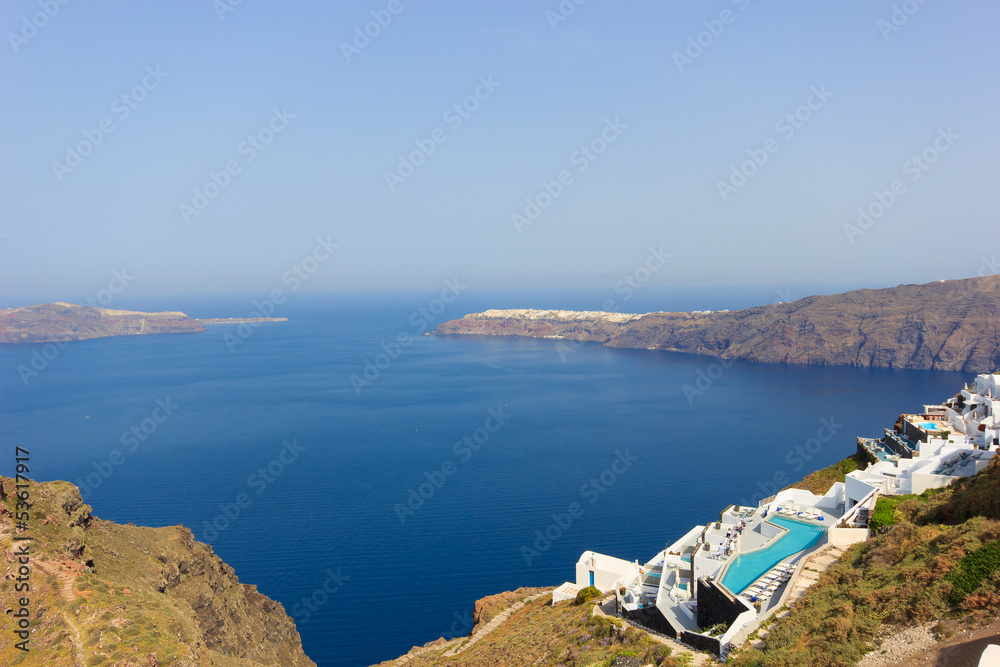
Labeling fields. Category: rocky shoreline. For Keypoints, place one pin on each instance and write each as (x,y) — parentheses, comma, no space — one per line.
(63,322)
(948,325)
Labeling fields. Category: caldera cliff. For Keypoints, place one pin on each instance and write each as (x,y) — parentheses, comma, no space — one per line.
(101,593)
(950,325)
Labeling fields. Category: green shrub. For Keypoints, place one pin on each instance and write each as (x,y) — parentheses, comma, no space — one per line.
(588,593)
(717,629)
(885,512)
(972,570)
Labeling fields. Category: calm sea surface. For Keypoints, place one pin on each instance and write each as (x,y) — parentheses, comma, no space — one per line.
(337,509)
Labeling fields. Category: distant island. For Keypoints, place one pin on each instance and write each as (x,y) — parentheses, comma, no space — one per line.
(951,325)
(62,322)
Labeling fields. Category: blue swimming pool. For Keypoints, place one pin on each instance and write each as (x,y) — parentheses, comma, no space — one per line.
(748,568)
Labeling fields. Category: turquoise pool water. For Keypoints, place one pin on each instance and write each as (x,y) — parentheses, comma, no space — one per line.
(748,568)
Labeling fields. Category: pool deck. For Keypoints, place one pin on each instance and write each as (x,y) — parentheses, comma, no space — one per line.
(753,538)
(830,517)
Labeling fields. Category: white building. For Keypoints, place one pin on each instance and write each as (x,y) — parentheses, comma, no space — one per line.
(934,448)
(734,572)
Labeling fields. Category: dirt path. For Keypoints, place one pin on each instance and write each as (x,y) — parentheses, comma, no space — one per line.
(67,589)
(78,655)
(962,650)
(494,624)
(66,579)
(461,643)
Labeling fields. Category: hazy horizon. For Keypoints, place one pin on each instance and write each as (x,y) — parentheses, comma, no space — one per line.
(212,148)
(469,297)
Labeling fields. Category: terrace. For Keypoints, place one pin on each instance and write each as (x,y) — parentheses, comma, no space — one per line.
(878,449)
(960,464)
(900,444)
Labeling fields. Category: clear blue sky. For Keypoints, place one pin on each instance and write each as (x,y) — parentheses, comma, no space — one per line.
(656,184)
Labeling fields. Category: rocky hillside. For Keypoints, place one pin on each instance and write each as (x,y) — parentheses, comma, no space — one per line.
(103,594)
(57,322)
(533,633)
(950,325)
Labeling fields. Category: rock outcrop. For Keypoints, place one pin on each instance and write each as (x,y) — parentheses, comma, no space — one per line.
(949,325)
(123,595)
(58,322)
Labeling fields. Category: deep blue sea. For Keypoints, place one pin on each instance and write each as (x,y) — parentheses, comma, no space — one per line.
(327,509)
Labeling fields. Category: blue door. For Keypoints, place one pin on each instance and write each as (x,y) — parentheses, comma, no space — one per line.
(591,577)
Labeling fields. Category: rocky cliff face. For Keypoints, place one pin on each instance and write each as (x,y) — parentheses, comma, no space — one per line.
(57,322)
(950,325)
(113,595)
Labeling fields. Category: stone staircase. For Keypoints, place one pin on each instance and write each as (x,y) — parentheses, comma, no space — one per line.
(815,565)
